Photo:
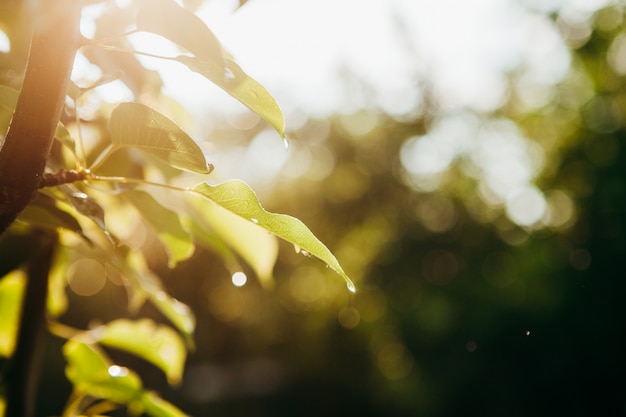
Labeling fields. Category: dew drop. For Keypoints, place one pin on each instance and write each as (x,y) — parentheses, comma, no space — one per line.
(255,221)
(351,287)
(117,371)
(239,279)
(286,143)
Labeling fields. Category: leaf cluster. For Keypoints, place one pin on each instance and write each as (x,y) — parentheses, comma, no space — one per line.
(97,196)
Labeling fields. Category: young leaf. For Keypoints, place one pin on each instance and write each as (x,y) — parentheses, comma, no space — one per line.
(259,249)
(8,97)
(87,206)
(156,406)
(11,291)
(242,87)
(166,223)
(43,211)
(64,137)
(157,344)
(91,372)
(150,286)
(237,197)
(139,126)
(168,19)
(57,302)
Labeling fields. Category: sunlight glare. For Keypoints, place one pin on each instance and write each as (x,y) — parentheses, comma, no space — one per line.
(5,43)
(86,276)
(239,279)
(118,371)
(527,206)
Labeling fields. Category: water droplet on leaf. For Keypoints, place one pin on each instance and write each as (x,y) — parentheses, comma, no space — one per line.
(239,279)
(255,221)
(117,371)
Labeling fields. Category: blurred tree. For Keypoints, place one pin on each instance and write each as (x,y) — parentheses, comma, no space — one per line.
(469,301)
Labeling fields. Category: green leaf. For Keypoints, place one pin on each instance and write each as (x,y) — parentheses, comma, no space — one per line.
(259,248)
(149,285)
(11,291)
(87,206)
(181,26)
(155,406)
(56,303)
(139,126)
(8,97)
(242,87)
(157,344)
(91,372)
(237,197)
(64,137)
(166,223)
(43,211)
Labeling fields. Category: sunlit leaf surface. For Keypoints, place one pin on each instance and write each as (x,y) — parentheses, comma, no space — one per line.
(57,298)
(149,286)
(139,126)
(242,87)
(181,26)
(8,96)
(157,344)
(237,197)
(44,212)
(63,136)
(259,248)
(11,290)
(166,223)
(155,406)
(86,205)
(91,372)
(94,374)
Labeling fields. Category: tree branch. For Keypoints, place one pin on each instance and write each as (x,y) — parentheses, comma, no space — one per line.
(56,38)
(22,375)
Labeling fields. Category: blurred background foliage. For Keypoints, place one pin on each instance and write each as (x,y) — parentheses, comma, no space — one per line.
(486,247)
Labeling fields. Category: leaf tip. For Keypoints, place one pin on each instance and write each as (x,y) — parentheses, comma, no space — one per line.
(350,285)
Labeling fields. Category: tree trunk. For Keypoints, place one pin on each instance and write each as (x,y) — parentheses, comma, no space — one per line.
(56,38)
(22,374)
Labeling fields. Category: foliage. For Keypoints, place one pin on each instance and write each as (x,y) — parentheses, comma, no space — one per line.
(96,194)
(460,309)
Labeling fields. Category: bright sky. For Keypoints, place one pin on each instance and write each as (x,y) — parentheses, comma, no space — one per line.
(301,49)
(308,54)
(324,56)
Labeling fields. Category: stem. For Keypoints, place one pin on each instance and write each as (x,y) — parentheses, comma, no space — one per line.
(125,180)
(54,43)
(131,51)
(22,374)
(104,41)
